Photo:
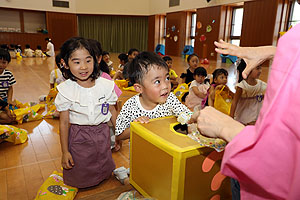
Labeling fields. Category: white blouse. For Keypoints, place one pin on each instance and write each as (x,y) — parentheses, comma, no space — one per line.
(86,105)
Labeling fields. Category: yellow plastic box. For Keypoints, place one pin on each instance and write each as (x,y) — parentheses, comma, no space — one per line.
(166,165)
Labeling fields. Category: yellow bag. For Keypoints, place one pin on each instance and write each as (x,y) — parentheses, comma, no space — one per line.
(223,101)
(121,83)
(51,96)
(55,189)
(181,90)
(28,114)
(13,134)
(131,88)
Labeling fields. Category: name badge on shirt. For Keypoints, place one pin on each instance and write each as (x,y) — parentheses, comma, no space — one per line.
(105,108)
(4,84)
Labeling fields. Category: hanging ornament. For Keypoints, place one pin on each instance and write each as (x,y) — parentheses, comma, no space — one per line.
(175,38)
(199,25)
(168,35)
(202,38)
(173,28)
(213,21)
(208,28)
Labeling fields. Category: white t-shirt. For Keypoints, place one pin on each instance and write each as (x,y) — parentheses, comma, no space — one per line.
(56,77)
(28,52)
(85,105)
(50,48)
(132,109)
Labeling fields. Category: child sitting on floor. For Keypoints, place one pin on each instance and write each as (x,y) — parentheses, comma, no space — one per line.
(123,59)
(197,90)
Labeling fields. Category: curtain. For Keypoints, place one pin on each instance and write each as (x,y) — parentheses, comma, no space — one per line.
(115,33)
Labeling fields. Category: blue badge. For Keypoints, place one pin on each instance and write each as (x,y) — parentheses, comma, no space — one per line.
(105,108)
(5,84)
(259,98)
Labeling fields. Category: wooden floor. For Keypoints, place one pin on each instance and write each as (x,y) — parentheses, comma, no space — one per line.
(23,168)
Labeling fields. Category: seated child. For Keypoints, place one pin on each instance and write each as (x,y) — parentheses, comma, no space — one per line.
(38,52)
(219,83)
(106,58)
(193,62)
(197,90)
(12,50)
(7,81)
(172,73)
(123,59)
(28,52)
(248,98)
(150,76)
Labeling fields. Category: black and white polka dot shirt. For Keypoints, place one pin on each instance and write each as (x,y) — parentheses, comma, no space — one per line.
(132,109)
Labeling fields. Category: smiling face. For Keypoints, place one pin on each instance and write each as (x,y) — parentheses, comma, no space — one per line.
(81,65)
(3,65)
(106,58)
(155,88)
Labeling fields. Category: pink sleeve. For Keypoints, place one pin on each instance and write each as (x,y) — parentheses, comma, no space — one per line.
(265,158)
(117,89)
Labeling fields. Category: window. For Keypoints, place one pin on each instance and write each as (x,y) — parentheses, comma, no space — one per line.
(294,14)
(34,21)
(10,21)
(236,26)
(193,28)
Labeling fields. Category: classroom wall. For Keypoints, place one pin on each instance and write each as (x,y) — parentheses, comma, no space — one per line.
(214,17)
(178,21)
(261,22)
(162,6)
(42,5)
(113,7)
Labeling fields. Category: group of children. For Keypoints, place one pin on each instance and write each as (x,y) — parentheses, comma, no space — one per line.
(15,51)
(86,101)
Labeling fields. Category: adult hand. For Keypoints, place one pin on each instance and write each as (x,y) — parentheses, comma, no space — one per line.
(213,123)
(142,119)
(253,56)
(67,161)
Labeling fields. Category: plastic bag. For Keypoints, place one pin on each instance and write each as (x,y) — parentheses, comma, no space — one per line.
(181,90)
(55,189)
(121,84)
(28,113)
(13,134)
(223,101)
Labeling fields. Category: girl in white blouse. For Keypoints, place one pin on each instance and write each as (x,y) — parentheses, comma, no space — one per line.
(85,102)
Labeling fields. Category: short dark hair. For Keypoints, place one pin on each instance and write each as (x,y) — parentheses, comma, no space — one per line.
(96,45)
(219,72)
(105,53)
(68,48)
(142,63)
(4,55)
(47,39)
(132,50)
(27,46)
(123,57)
(167,58)
(200,71)
(58,60)
(191,56)
(4,46)
(240,68)
(38,47)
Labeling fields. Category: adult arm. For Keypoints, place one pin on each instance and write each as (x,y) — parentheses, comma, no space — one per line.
(253,56)
(213,123)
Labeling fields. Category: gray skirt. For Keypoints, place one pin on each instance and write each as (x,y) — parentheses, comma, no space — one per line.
(90,149)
